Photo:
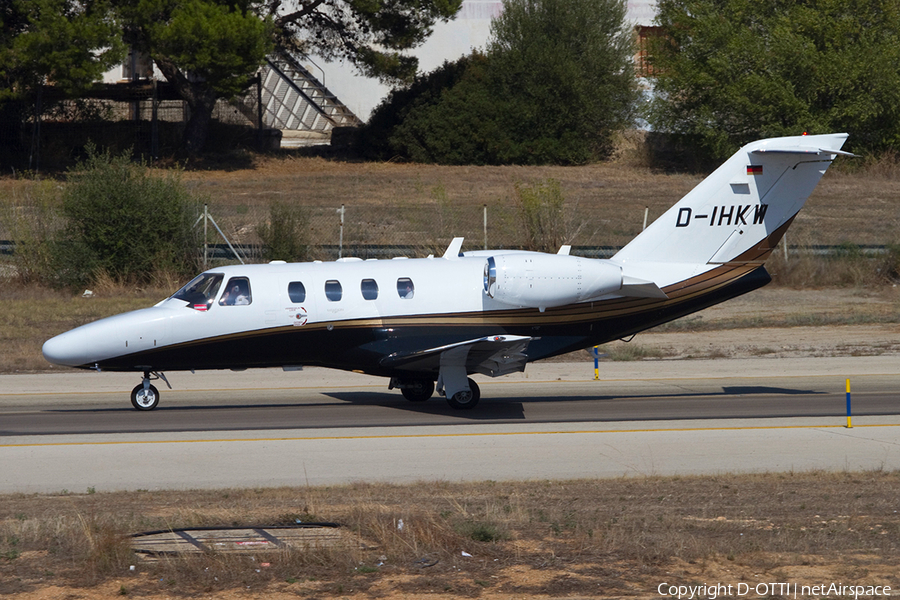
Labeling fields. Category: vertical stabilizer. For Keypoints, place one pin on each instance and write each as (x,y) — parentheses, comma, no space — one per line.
(738,213)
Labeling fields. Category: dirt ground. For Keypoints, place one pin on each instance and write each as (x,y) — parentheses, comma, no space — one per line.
(779,322)
(522,581)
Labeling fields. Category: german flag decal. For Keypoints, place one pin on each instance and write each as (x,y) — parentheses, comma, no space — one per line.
(754,169)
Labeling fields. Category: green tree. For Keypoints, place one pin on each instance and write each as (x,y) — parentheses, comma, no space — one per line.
(370,34)
(69,42)
(207,49)
(556,83)
(565,70)
(730,71)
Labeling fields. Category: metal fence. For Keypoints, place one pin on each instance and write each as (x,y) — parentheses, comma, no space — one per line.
(596,231)
(417,230)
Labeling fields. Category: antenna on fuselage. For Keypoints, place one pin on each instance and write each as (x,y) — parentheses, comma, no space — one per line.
(453,249)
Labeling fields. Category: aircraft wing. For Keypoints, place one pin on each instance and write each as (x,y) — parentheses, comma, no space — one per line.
(494,355)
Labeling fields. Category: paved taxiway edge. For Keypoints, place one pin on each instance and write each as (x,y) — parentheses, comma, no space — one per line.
(445,453)
(74,382)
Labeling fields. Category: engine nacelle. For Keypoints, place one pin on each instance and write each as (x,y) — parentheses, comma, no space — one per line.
(545,280)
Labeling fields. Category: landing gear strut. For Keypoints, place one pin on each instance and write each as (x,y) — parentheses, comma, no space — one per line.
(145,396)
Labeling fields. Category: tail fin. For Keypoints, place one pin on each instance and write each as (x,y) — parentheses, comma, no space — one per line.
(737,214)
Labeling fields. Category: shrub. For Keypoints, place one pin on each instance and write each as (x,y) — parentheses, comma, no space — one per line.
(125,221)
(444,117)
(546,220)
(32,227)
(284,236)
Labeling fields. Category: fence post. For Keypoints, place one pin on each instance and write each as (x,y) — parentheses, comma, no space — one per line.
(34,159)
(154,123)
(205,236)
(259,113)
(341,238)
(485,227)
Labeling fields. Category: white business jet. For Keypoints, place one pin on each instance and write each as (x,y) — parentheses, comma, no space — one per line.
(436,320)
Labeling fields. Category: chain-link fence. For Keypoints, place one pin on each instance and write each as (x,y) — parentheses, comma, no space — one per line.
(595,231)
(824,232)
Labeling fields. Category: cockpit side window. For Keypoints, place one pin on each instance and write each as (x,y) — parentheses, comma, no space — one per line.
(297,292)
(369,289)
(405,288)
(333,290)
(237,292)
(200,291)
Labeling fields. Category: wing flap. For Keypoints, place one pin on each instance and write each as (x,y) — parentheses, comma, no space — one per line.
(493,355)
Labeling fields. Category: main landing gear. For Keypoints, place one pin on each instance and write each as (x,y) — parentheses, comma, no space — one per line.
(145,396)
(420,390)
(465,399)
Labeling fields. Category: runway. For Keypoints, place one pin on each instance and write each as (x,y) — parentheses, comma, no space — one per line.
(76,431)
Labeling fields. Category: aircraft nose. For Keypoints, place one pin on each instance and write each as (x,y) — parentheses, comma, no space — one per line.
(65,349)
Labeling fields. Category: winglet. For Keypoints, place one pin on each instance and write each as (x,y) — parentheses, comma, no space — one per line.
(453,249)
(564,249)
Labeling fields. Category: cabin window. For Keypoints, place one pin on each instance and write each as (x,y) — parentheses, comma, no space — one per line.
(333,290)
(369,288)
(201,290)
(237,292)
(297,292)
(405,288)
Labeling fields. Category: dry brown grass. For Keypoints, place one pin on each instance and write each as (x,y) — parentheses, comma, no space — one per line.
(33,314)
(619,534)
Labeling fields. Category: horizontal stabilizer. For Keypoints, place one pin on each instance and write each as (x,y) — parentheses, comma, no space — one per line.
(802,150)
(640,288)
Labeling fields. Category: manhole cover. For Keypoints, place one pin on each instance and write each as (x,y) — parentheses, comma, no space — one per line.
(240,539)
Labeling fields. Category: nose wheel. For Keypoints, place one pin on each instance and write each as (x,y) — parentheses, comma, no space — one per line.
(145,396)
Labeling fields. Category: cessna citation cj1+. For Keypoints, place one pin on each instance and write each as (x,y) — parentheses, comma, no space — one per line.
(427,320)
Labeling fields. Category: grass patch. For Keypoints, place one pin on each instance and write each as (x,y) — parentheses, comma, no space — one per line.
(33,314)
(625,351)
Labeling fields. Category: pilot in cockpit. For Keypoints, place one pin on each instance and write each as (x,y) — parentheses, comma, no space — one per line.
(237,295)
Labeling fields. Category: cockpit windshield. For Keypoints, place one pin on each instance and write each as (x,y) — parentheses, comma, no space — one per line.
(201,291)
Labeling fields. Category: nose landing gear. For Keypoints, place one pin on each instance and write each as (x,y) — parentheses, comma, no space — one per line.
(145,396)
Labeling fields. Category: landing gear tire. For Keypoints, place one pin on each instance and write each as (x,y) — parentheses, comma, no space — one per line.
(465,400)
(143,399)
(418,390)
